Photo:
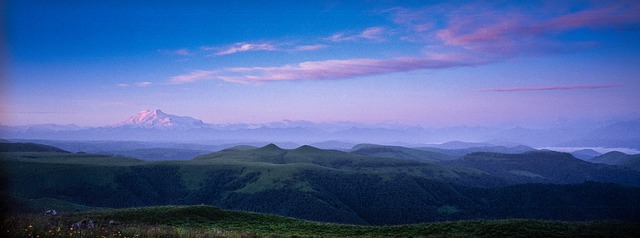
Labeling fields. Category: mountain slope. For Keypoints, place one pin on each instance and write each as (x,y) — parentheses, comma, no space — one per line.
(398,152)
(619,158)
(29,147)
(468,150)
(158,154)
(585,154)
(544,167)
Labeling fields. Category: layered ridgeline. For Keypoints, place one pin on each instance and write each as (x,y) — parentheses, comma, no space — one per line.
(156,125)
(370,185)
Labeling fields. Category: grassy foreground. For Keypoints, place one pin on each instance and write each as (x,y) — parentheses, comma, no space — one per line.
(207,221)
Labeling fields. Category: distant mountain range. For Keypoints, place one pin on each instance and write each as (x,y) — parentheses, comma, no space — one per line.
(156,125)
(620,134)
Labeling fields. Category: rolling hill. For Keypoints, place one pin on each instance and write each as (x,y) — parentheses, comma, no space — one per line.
(619,158)
(585,154)
(28,147)
(544,167)
(158,154)
(332,186)
(398,152)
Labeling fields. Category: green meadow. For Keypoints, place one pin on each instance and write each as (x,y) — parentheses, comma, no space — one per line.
(208,221)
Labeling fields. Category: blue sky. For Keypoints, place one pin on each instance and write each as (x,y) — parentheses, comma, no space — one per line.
(433,64)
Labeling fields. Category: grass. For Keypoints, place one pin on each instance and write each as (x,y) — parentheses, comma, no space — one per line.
(207,221)
(67,158)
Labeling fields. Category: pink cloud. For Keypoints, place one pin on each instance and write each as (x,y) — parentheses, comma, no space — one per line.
(143,84)
(546,88)
(139,84)
(309,47)
(467,35)
(373,33)
(618,14)
(338,37)
(193,76)
(324,70)
(510,29)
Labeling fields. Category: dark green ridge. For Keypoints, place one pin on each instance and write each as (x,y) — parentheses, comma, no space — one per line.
(29,147)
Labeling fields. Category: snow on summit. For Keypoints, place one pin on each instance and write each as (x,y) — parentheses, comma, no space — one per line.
(156,119)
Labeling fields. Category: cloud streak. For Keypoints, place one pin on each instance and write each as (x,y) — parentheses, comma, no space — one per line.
(309,47)
(512,31)
(465,35)
(139,84)
(241,47)
(323,70)
(548,88)
(247,47)
(372,33)
(194,76)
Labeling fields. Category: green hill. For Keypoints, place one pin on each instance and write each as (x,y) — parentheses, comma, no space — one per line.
(207,221)
(619,158)
(28,147)
(328,185)
(399,152)
(544,167)
(158,154)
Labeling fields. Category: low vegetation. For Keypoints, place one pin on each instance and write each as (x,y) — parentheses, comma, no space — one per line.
(207,221)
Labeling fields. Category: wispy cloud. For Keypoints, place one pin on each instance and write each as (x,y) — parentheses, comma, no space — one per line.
(179,52)
(241,47)
(143,84)
(372,33)
(139,84)
(322,70)
(194,76)
(309,47)
(608,16)
(246,47)
(546,88)
(513,31)
(471,34)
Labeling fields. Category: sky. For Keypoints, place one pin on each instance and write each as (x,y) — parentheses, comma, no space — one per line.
(424,63)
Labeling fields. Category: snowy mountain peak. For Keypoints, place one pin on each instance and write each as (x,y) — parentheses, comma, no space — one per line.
(156,119)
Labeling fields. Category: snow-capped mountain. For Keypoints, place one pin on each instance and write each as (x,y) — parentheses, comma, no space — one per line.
(156,119)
